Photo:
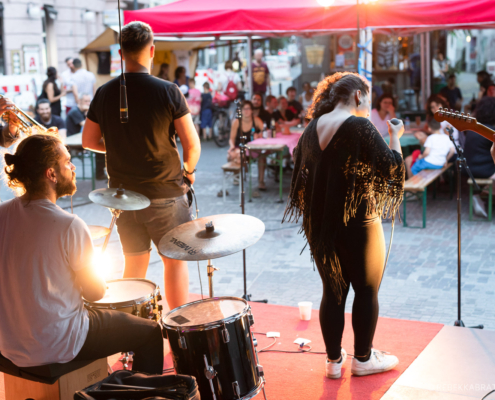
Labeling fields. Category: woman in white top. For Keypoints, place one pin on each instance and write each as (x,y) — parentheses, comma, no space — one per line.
(384,111)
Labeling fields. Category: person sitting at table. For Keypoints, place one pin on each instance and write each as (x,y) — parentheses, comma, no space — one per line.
(433,104)
(251,128)
(477,149)
(271,106)
(294,105)
(438,150)
(259,110)
(45,117)
(77,116)
(284,116)
(383,112)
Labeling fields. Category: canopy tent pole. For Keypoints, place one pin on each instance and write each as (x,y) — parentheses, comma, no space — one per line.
(428,65)
(250,65)
(422,40)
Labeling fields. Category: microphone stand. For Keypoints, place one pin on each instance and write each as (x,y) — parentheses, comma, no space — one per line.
(242,149)
(460,162)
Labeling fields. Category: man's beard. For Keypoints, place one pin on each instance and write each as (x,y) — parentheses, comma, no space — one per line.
(66,187)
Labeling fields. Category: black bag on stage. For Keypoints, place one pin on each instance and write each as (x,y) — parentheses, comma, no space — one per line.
(136,385)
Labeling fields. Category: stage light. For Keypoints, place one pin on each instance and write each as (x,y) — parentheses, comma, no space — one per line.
(468,38)
(102,262)
(325,3)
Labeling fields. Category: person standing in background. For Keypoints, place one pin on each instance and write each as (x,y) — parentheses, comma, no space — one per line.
(181,77)
(70,101)
(82,81)
(163,73)
(260,80)
(452,93)
(194,102)
(206,110)
(45,117)
(52,92)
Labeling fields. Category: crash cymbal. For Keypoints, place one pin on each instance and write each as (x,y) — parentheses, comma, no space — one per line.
(119,199)
(98,232)
(196,240)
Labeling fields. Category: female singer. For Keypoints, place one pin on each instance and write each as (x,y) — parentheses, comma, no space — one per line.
(345,178)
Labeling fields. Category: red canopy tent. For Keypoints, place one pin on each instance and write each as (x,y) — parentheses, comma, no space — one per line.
(307,17)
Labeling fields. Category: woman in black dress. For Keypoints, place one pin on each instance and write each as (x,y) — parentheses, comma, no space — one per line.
(52,92)
(345,179)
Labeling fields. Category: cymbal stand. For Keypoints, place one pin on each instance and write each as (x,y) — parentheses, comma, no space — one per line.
(116,214)
(242,150)
(211,269)
(460,162)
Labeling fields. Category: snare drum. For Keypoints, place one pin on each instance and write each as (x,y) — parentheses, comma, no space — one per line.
(211,340)
(138,297)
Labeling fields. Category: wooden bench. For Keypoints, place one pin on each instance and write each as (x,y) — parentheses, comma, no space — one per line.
(231,170)
(418,185)
(481,182)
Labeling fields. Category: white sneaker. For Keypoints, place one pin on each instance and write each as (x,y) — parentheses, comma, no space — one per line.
(380,361)
(333,370)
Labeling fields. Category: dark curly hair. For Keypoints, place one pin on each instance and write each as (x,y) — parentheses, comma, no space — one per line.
(33,156)
(485,111)
(437,99)
(334,89)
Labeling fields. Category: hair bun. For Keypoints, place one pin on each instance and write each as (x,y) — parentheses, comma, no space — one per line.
(10,159)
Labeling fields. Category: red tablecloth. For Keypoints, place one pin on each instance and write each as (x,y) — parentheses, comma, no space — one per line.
(289,140)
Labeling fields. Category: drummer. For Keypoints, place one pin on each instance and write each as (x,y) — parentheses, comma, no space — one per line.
(142,156)
(46,271)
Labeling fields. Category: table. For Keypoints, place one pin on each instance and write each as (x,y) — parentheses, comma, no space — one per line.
(405,141)
(75,143)
(277,145)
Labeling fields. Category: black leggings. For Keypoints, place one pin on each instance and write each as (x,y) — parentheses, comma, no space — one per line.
(112,331)
(361,251)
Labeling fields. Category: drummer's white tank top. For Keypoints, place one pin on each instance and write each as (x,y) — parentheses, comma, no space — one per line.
(42,317)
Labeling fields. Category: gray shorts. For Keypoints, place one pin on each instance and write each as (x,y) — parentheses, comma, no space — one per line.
(138,228)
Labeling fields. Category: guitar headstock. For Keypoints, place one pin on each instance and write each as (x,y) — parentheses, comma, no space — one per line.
(460,121)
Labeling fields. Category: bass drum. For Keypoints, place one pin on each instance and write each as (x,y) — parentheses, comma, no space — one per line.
(211,340)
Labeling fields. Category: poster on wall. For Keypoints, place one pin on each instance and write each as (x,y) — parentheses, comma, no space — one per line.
(115,69)
(32,61)
(314,55)
(345,57)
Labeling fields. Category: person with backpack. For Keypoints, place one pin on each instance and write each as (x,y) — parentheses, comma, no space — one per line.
(229,80)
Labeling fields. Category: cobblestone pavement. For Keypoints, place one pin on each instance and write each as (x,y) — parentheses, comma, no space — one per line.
(420,282)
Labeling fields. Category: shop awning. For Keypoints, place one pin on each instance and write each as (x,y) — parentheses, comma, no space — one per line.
(306,17)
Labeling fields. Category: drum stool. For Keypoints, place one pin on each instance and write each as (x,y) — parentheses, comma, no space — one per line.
(230,170)
(50,382)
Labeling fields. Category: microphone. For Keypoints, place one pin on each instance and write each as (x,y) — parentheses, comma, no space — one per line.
(124,112)
(395,121)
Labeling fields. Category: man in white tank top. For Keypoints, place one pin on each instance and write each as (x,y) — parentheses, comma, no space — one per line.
(46,270)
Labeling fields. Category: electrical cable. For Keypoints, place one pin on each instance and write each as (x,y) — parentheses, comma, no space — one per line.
(299,351)
(488,394)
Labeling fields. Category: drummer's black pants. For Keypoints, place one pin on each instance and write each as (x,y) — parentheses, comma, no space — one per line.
(112,332)
(361,251)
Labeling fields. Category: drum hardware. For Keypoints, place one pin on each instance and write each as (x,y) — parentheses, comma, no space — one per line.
(210,373)
(115,215)
(182,340)
(211,269)
(237,391)
(225,334)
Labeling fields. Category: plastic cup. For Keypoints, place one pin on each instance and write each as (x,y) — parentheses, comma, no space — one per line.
(305,310)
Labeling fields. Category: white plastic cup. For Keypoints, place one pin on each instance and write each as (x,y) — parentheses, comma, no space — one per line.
(305,310)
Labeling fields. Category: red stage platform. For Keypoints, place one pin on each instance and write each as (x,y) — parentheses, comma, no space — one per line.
(302,376)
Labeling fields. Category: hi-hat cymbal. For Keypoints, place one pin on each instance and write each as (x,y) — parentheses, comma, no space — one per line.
(196,241)
(98,232)
(119,199)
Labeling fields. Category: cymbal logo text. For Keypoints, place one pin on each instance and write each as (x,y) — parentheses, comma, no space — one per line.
(184,246)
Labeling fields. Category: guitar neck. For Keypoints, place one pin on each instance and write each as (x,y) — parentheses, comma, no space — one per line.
(483,131)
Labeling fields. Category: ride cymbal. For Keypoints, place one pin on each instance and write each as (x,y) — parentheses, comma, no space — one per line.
(211,237)
(119,199)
